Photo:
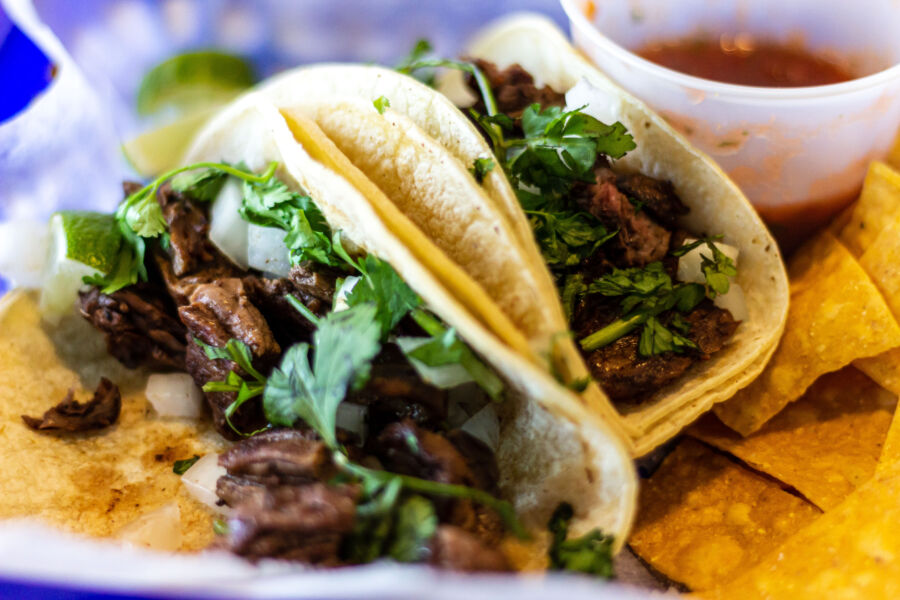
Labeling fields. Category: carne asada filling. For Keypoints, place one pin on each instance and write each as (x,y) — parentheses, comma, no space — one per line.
(597,227)
(406,485)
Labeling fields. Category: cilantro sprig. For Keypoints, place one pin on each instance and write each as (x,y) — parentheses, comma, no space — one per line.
(645,293)
(590,553)
(716,269)
(139,218)
(238,352)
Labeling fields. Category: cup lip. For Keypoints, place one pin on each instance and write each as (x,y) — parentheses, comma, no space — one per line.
(723,90)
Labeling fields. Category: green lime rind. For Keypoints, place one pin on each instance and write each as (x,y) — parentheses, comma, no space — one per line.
(194,79)
(92,238)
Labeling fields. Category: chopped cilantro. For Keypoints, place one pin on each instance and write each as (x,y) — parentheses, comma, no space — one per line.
(381,104)
(180,467)
(345,343)
(590,553)
(646,293)
(220,527)
(480,168)
(237,351)
(383,286)
(716,270)
(416,524)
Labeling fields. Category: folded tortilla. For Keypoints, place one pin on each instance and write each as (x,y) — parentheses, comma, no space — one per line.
(418,153)
(551,449)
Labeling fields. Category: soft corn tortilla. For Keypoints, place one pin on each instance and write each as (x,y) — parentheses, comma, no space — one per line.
(837,315)
(551,449)
(484,230)
(91,483)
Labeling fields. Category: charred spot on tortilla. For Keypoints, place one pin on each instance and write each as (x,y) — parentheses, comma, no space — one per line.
(611,240)
(73,416)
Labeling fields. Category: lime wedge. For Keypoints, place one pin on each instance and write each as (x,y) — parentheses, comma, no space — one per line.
(161,149)
(195,79)
(81,244)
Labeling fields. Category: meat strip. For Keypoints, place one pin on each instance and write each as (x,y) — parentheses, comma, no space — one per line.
(71,416)
(139,324)
(640,240)
(303,523)
(218,312)
(279,456)
(514,89)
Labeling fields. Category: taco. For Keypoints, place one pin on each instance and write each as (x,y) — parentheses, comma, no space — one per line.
(634,267)
(370,414)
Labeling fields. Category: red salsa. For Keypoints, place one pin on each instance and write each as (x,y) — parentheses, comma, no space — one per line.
(741,59)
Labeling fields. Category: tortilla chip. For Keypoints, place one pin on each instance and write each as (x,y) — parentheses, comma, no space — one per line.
(825,445)
(836,316)
(704,519)
(883,369)
(880,198)
(893,157)
(853,551)
(89,483)
(890,453)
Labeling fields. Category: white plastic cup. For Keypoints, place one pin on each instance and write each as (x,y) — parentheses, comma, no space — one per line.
(800,154)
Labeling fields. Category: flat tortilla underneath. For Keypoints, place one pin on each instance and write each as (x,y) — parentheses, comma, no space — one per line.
(92,483)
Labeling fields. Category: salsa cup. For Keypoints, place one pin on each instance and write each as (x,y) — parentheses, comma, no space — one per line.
(800,154)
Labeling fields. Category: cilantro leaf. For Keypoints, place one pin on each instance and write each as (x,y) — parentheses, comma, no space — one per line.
(345,344)
(646,293)
(717,271)
(384,287)
(656,339)
(480,168)
(381,104)
(446,348)
(238,352)
(416,524)
(143,215)
(573,288)
(590,553)
(180,467)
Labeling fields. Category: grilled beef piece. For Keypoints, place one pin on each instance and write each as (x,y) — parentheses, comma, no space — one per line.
(629,378)
(279,456)
(140,326)
(656,197)
(304,523)
(640,240)
(71,415)
(457,549)
(191,259)
(514,89)
(410,450)
(314,282)
(479,458)
(218,312)
(313,287)
(395,391)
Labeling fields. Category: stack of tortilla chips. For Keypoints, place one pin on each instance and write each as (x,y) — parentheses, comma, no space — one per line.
(786,491)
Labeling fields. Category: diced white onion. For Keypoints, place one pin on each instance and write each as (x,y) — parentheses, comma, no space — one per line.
(452,84)
(200,481)
(23,252)
(174,395)
(689,265)
(352,417)
(734,302)
(485,426)
(227,230)
(444,376)
(266,250)
(600,104)
(340,295)
(158,530)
